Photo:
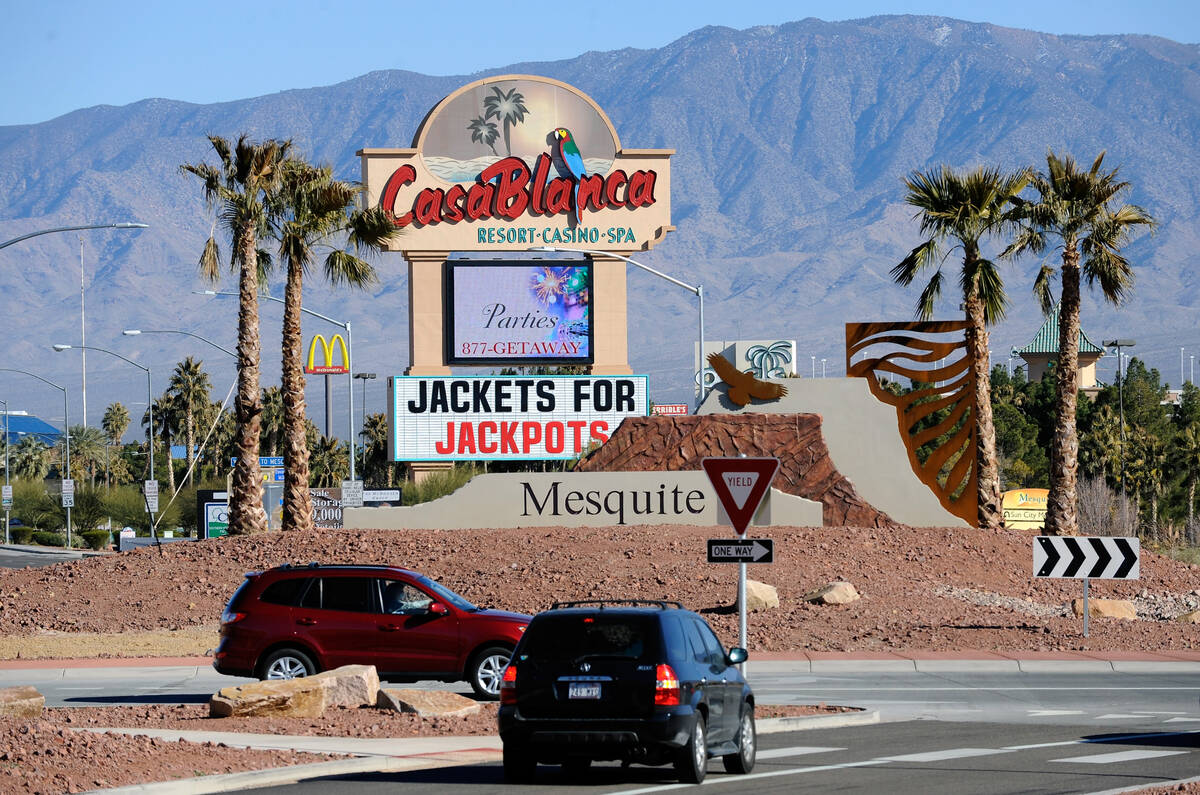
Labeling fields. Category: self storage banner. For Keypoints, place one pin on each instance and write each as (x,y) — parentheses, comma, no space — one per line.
(511,418)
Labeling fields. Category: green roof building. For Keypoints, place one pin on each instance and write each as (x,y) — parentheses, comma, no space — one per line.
(1043,349)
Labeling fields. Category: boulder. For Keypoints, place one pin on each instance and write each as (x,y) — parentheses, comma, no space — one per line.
(760,596)
(834,593)
(1192,617)
(1105,608)
(286,698)
(351,686)
(428,703)
(22,701)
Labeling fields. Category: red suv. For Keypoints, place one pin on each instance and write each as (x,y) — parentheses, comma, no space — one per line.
(297,620)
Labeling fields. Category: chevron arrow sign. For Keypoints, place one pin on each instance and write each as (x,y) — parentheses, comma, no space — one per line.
(1086,557)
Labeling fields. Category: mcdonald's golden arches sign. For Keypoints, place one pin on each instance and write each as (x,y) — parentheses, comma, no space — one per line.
(326,366)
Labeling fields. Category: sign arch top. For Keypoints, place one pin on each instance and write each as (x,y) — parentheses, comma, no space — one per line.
(514,162)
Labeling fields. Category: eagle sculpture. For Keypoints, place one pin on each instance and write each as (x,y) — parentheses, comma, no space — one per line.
(743,386)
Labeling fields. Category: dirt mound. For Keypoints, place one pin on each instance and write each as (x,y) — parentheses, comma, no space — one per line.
(679,443)
(923,588)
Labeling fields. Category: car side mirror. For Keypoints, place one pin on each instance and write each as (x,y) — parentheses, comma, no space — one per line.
(736,656)
(438,609)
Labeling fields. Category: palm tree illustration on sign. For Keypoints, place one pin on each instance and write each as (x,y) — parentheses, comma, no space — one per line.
(508,107)
(484,132)
(768,360)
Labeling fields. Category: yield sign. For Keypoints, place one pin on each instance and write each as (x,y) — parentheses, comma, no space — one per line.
(741,484)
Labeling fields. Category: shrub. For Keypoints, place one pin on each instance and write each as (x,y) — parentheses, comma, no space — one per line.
(21,535)
(95,539)
(437,485)
(49,538)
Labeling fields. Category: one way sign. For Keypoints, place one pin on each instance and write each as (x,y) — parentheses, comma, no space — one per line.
(746,550)
(1086,557)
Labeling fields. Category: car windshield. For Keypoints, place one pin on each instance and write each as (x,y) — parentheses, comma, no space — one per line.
(444,593)
(580,637)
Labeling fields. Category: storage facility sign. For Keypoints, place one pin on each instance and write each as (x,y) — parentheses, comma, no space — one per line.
(508,418)
(516,161)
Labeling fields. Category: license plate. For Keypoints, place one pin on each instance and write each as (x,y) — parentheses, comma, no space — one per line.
(581,690)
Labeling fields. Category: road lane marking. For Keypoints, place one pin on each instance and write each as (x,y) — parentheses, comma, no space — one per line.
(750,776)
(1117,756)
(949,753)
(1042,713)
(1173,720)
(799,750)
(1115,715)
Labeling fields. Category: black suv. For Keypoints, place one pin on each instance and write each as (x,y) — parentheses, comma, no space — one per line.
(635,680)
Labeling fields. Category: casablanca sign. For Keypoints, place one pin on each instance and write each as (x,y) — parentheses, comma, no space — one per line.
(518,161)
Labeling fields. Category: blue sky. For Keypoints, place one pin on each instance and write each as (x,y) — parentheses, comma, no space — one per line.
(62,55)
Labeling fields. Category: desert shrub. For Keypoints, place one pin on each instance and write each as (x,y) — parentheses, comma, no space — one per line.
(21,535)
(95,539)
(127,507)
(437,485)
(49,538)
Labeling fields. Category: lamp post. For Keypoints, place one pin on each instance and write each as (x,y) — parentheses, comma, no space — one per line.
(1191,368)
(697,290)
(7,487)
(822,368)
(365,377)
(1181,367)
(1118,344)
(66,440)
(349,355)
(82,329)
(133,332)
(149,403)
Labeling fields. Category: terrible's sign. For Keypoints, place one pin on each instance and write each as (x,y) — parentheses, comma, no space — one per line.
(508,418)
(518,161)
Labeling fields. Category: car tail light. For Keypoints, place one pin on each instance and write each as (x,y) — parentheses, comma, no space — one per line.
(508,686)
(231,618)
(666,686)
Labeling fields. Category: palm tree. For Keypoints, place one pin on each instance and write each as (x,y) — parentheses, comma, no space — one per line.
(966,208)
(376,460)
(1187,456)
(272,420)
(115,423)
(248,174)
(87,451)
(30,458)
(189,387)
(328,462)
(315,211)
(508,107)
(1078,208)
(167,416)
(484,132)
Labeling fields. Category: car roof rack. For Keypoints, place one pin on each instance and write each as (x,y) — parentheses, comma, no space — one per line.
(661,604)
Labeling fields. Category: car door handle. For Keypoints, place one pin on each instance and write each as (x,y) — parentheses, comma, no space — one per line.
(307,622)
(388,627)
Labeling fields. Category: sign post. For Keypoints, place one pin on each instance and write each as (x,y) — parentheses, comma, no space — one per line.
(740,484)
(1084,558)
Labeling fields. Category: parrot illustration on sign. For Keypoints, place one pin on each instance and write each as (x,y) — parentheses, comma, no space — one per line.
(571,161)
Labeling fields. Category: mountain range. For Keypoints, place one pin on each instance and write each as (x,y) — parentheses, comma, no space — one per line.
(792,143)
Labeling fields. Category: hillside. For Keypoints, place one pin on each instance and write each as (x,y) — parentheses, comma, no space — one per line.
(791,142)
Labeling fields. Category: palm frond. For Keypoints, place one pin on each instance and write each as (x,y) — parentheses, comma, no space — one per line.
(1041,288)
(342,267)
(917,260)
(929,296)
(210,260)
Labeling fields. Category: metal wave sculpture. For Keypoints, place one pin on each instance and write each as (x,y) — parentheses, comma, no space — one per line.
(937,415)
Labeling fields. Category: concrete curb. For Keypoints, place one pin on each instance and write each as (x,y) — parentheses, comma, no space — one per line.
(1144,787)
(273,777)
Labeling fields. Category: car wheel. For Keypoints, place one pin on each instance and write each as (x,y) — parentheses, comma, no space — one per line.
(692,762)
(486,671)
(519,765)
(747,743)
(286,664)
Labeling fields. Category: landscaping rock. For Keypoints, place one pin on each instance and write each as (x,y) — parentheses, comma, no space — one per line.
(427,703)
(760,596)
(351,686)
(1191,617)
(834,593)
(1105,608)
(22,701)
(297,698)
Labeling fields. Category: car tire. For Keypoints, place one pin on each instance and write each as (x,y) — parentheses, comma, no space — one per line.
(286,664)
(747,742)
(519,765)
(486,670)
(691,763)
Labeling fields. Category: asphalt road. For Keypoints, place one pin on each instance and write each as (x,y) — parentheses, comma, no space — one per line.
(900,758)
(13,558)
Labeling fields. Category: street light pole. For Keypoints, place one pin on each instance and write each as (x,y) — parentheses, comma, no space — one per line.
(349,356)
(7,486)
(365,377)
(133,332)
(66,431)
(697,290)
(149,409)
(1118,344)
